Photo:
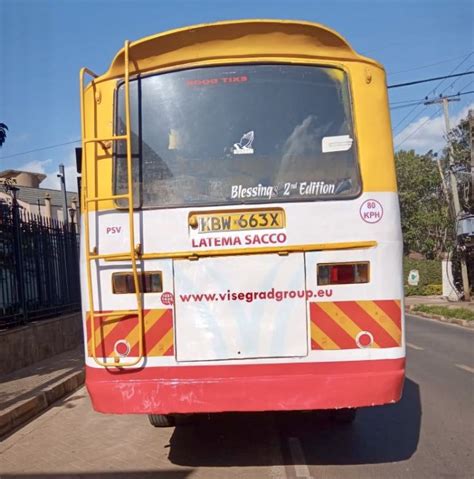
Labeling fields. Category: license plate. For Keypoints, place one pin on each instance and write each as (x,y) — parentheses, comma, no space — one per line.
(239,221)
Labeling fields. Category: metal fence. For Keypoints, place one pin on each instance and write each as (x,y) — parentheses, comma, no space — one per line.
(39,266)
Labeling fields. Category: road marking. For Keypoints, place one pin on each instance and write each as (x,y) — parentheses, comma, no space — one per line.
(297,456)
(414,346)
(466,368)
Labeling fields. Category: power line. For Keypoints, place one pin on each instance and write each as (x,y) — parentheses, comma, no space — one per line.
(398,85)
(422,102)
(457,79)
(414,131)
(427,66)
(40,149)
(431,91)
(465,86)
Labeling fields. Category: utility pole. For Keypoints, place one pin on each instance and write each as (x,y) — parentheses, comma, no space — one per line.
(453,184)
(62,177)
(471,132)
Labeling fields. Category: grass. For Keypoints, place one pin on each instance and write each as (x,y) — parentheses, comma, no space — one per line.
(458,313)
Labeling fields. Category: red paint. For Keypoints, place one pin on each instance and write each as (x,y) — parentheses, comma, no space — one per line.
(367,323)
(365,340)
(159,330)
(122,348)
(323,321)
(122,328)
(167,298)
(259,387)
(392,310)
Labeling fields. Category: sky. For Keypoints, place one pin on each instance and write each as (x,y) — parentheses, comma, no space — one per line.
(44,43)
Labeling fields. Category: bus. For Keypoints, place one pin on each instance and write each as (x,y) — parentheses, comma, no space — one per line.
(241,246)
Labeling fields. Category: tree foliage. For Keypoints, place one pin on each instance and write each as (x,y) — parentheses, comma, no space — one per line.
(3,133)
(461,146)
(424,209)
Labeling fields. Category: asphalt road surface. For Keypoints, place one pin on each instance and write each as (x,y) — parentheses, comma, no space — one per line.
(428,434)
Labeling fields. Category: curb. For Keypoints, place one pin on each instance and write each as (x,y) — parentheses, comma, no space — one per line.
(18,414)
(460,322)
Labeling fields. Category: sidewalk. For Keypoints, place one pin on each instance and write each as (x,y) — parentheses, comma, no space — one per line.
(442,314)
(437,301)
(28,391)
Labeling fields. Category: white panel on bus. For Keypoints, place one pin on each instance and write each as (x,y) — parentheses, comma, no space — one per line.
(240,307)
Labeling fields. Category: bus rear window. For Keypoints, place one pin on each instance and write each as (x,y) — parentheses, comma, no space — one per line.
(237,135)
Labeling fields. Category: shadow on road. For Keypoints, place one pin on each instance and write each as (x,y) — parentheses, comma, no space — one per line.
(379,435)
(161,474)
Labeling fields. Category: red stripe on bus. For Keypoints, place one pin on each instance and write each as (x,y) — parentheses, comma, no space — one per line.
(327,324)
(392,309)
(162,325)
(170,351)
(367,323)
(121,330)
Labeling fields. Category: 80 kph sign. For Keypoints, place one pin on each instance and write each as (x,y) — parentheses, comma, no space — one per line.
(371,211)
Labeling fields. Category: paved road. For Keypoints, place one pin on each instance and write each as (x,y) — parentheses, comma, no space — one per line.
(429,434)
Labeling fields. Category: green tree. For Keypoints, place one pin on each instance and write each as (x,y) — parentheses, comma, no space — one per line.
(3,133)
(424,210)
(460,140)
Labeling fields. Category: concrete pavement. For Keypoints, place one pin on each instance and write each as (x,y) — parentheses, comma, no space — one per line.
(428,434)
(30,390)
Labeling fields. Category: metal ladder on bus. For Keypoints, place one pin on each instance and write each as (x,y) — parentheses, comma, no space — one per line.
(95,255)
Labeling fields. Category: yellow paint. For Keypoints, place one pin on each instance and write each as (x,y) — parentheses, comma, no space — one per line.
(382,319)
(150,318)
(336,74)
(92,195)
(163,345)
(237,42)
(346,323)
(321,338)
(247,251)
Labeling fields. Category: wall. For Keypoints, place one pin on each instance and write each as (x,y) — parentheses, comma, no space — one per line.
(25,345)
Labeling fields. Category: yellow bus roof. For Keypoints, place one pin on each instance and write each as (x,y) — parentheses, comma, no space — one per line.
(235,41)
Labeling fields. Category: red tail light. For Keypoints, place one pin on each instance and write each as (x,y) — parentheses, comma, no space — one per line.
(343,273)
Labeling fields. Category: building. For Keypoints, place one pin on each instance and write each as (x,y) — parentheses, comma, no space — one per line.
(32,198)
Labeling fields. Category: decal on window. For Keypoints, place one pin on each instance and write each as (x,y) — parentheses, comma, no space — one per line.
(244,146)
(336,143)
(217,81)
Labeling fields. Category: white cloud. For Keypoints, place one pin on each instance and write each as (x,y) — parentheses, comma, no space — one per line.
(51,169)
(36,166)
(428,133)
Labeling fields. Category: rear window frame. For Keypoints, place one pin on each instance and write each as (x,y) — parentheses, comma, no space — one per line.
(138,205)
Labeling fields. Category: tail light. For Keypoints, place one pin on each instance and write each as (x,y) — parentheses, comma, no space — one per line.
(149,282)
(343,273)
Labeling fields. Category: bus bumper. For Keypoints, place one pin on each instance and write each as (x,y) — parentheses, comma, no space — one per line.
(262,387)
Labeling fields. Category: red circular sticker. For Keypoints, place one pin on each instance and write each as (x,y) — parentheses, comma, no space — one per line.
(371,211)
(364,339)
(167,299)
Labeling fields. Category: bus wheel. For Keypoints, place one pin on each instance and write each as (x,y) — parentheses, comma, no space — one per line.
(344,416)
(161,420)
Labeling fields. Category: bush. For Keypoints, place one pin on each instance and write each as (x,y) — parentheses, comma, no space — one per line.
(433,290)
(430,277)
(427,290)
